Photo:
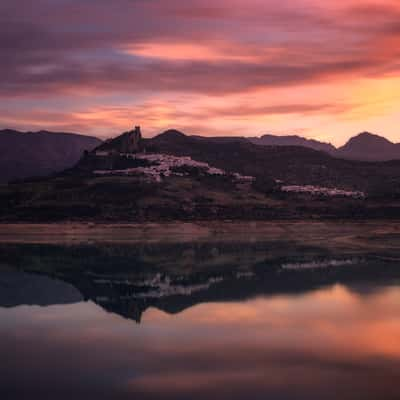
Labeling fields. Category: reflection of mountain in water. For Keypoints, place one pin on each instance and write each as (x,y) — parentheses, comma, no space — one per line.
(127,280)
(131,299)
(18,288)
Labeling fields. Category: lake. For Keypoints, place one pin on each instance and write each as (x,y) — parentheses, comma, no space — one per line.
(200,311)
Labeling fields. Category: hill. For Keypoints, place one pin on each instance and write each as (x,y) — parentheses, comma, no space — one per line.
(367,146)
(292,140)
(27,154)
(363,147)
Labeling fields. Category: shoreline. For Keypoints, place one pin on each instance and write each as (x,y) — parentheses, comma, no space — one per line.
(327,233)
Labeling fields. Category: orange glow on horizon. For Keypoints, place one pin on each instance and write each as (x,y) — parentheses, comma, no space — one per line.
(320,69)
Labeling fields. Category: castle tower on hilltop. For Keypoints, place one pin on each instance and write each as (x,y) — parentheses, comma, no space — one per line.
(130,141)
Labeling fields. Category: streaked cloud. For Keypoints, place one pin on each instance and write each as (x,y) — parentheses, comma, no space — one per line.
(141,53)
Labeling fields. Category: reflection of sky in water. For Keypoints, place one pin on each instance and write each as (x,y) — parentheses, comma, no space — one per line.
(331,343)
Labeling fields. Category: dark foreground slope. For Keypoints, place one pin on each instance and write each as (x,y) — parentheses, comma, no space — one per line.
(41,153)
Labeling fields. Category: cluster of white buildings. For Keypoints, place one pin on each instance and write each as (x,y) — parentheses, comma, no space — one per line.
(320,264)
(164,166)
(163,287)
(243,178)
(322,191)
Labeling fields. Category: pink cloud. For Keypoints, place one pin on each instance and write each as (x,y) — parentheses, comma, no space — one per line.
(157,49)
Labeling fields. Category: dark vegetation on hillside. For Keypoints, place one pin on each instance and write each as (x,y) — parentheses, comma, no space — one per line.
(130,199)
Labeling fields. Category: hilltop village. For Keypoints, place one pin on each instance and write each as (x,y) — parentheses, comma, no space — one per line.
(130,151)
(128,154)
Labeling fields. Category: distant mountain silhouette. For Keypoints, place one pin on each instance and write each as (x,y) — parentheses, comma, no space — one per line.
(292,140)
(369,147)
(363,147)
(28,154)
(18,288)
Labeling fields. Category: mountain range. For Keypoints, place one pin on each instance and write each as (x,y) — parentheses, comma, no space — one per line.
(292,140)
(363,147)
(27,154)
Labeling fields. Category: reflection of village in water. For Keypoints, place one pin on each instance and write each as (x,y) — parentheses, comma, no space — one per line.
(128,280)
(175,294)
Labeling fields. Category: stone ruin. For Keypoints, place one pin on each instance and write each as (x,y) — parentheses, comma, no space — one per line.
(127,143)
(130,141)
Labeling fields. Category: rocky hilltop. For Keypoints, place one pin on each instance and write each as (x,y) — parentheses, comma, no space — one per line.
(127,142)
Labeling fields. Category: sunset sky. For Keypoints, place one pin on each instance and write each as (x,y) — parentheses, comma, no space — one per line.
(324,69)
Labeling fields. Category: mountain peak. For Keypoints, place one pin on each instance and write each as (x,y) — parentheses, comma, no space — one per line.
(369,137)
(171,134)
(370,147)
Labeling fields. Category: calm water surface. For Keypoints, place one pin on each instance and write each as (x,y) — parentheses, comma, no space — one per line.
(226,321)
